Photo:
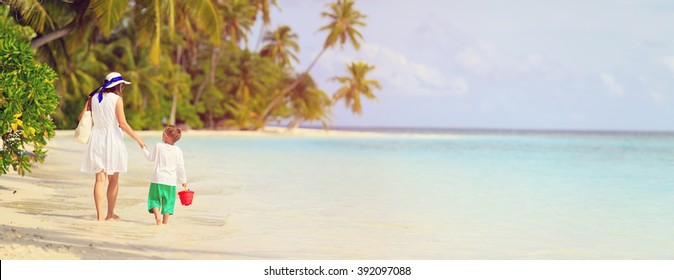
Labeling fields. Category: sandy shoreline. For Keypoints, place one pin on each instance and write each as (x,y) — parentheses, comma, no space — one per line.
(49,213)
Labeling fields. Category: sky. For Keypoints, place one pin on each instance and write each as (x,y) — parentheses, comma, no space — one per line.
(517,64)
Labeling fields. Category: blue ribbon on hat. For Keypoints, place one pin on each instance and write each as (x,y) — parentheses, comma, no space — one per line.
(104,86)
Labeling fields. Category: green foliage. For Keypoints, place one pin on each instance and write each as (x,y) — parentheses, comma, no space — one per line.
(108,12)
(187,60)
(237,20)
(247,82)
(309,103)
(263,7)
(343,22)
(281,46)
(355,86)
(27,100)
(33,15)
(77,79)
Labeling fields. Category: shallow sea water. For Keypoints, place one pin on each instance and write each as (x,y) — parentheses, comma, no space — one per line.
(436,196)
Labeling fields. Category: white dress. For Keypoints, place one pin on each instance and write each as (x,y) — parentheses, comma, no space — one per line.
(106,151)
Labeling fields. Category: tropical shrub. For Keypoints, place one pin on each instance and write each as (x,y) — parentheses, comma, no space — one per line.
(27,99)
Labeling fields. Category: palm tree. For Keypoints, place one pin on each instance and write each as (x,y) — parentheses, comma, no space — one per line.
(262,6)
(309,103)
(236,16)
(246,79)
(281,44)
(344,19)
(204,15)
(75,83)
(147,94)
(356,85)
(245,75)
(178,85)
(44,16)
(236,19)
(105,15)
(149,16)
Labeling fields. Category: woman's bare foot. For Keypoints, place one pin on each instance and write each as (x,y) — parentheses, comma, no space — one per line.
(113,217)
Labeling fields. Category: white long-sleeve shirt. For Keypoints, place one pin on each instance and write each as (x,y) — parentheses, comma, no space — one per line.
(169,165)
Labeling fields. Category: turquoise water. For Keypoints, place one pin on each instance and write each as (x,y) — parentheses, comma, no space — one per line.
(462,195)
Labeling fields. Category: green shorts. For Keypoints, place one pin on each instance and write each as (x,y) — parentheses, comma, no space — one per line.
(161,196)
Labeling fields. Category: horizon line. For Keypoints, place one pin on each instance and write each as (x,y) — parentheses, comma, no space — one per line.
(488,129)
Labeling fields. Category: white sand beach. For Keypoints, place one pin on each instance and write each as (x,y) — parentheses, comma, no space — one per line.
(49,213)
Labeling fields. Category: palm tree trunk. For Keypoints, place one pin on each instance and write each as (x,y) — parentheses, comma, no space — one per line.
(278,98)
(263,28)
(211,75)
(211,122)
(144,102)
(51,36)
(295,123)
(174,104)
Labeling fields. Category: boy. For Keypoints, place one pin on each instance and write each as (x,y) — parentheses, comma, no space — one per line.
(169,166)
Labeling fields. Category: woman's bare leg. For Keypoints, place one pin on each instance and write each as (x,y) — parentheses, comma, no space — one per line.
(113,188)
(99,195)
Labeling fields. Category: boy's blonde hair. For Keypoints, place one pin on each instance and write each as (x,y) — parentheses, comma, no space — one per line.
(173,133)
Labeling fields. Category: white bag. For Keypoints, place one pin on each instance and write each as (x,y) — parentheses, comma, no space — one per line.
(83,130)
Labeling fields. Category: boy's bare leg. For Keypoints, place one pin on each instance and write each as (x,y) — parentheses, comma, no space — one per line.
(166,216)
(113,188)
(156,215)
(99,195)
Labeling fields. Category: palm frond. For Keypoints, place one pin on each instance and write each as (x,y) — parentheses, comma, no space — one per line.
(33,14)
(204,14)
(344,19)
(171,11)
(156,39)
(108,13)
(355,86)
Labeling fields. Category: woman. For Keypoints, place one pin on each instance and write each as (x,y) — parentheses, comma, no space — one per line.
(106,155)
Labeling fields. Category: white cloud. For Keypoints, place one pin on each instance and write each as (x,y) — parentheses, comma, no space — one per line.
(669,62)
(429,76)
(398,72)
(534,59)
(657,96)
(484,59)
(459,85)
(611,84)
(657,89)
(474,62)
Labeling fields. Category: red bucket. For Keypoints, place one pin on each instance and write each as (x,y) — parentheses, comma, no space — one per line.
(186,197)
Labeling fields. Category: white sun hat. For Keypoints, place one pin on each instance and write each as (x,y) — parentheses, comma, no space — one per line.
(111,80)
(114,79)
